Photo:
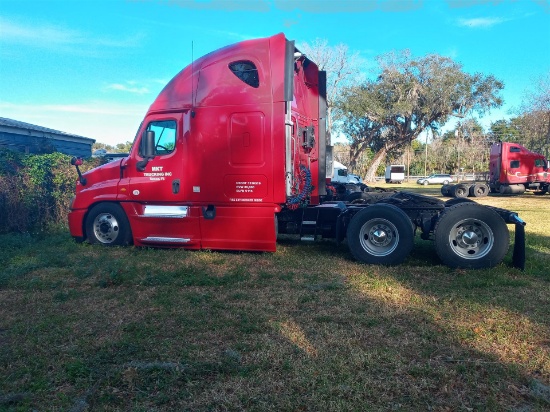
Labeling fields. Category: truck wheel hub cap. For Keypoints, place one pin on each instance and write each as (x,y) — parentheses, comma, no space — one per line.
(471,239)
(380,236)
(106,228)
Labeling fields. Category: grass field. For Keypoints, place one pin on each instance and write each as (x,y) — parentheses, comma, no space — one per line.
(303,329)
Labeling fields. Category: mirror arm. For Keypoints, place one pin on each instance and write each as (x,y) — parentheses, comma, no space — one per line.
(77,161)
(142,164)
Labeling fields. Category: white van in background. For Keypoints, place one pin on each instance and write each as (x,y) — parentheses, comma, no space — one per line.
(395,173)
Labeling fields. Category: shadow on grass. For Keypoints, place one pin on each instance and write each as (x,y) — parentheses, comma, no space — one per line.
(305,328)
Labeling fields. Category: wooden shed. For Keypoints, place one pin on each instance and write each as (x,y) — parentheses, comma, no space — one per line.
(30,138)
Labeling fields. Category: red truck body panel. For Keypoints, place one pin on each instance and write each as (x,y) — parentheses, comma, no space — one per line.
(220,174)
(512,164)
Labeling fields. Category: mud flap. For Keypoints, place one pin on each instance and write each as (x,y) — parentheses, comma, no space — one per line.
(340,225)
(518,258)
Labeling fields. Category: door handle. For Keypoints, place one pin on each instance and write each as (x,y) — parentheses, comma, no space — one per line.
(175,186)
(209,212)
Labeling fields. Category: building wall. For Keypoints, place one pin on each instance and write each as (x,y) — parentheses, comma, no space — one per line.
(34,139)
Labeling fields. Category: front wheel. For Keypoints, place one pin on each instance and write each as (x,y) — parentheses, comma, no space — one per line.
(471,236)
(380,234)
(425,183)
(108,225)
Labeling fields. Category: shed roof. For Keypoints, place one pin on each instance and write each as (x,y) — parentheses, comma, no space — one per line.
(16,124)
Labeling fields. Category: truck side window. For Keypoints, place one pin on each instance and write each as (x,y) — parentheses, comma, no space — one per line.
(246,71)
(514,149)
(514,164)
(165,136)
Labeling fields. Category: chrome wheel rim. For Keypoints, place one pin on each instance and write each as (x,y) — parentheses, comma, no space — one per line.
(471,239)
(106,228)
(379,237)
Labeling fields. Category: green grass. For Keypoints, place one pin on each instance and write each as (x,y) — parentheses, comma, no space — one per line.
(305,328)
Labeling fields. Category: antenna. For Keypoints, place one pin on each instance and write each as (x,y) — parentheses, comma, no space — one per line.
(192,75)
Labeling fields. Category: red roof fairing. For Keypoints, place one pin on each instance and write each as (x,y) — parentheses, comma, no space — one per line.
(209,81)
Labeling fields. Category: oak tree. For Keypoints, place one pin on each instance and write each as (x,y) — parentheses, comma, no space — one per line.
(409,96)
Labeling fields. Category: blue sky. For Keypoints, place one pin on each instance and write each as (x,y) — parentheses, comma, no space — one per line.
(93,67)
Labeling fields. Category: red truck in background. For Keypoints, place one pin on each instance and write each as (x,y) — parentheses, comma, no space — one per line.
(232,153)
(513,169)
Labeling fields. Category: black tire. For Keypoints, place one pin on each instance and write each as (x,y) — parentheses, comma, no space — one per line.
(471,236)
(425,183)
(446,190)
(107,224)
(479,190)
(381,235)
(457,200)
(459,191)
(355,198)
(445,182)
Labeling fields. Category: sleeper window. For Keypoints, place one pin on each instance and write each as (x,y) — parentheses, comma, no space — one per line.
(246,71)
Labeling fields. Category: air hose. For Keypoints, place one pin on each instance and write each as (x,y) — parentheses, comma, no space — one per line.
(303,181)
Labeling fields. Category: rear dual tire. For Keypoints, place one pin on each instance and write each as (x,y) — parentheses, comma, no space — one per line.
(471,236)
(381,235)
(446,190)
(479,190)
(459,191)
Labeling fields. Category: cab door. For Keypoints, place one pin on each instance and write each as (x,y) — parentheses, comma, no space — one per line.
(156,179)
(156,200)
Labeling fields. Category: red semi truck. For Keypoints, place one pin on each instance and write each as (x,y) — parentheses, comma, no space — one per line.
(512,170)
(232,153)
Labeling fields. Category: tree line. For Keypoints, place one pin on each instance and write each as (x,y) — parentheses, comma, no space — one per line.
(397,114)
